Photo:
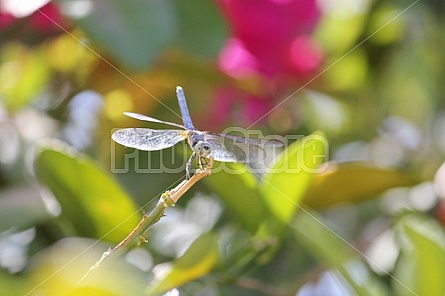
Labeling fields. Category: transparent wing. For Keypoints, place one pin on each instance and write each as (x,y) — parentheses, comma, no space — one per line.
(148,139)
(229,148)
(219,152)
(151,119)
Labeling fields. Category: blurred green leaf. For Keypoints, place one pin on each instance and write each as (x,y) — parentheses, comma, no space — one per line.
(349,72)
(93,203)
(24,73)
(338,34)
(134,34)
(11,285)
(420,269)
(201,40)
(239,192)
(197,261)
(350,182)
(325,244)
(384,27)
(284,187)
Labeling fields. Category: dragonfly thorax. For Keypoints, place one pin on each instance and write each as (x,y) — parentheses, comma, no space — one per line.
(194,138)
(199,145)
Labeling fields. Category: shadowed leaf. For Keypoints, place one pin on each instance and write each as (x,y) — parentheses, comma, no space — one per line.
(352,182)
(92,203)
(133,34)
(285,187)
(197,261)
(239,193)
(420,269)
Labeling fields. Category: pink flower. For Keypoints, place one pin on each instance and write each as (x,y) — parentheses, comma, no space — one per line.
(47,20)
(33,27)
(271,40)
(6,20)
(230,102)
(268,36)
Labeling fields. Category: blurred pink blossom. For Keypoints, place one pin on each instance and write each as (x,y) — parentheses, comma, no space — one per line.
(43,22)
(267,35)
(47,20)
(270,39)
(228,103)
(6,19)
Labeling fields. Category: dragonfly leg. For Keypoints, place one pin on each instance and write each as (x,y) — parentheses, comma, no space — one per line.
(202,161)
(189,165)
(199,162)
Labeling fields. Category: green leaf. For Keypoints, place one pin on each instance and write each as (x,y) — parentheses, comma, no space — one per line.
(24,75)
(11,285)
(93,203)
(201,40)
(238,190)
(420,269)
(134,33)
(284,187)
(325,244)
(351,182)
(197,261)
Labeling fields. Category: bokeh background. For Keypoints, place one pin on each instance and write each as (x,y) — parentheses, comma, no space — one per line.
(368,76)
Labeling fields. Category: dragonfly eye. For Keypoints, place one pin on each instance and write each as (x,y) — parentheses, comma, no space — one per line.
(203,148)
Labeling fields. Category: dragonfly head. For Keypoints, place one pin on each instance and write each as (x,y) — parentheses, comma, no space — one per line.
(203,149)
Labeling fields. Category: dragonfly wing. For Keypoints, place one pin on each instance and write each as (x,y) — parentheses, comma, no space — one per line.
(148,139)
(219,152)
(251,141)
(230,148)
(151,119)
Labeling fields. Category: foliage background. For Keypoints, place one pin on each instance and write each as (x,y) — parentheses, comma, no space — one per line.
(367,74)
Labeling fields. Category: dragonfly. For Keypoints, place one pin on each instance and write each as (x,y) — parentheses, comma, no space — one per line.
(222,147)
